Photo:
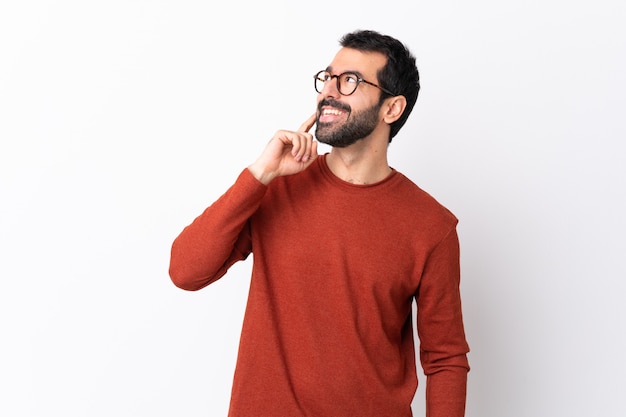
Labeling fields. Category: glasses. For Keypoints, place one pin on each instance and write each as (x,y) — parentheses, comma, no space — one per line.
(346,82)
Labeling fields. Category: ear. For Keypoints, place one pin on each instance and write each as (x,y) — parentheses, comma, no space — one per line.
(393,108)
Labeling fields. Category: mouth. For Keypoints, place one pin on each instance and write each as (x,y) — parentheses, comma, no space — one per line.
(329,113)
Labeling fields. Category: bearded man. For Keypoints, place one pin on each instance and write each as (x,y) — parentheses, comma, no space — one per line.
(342,246)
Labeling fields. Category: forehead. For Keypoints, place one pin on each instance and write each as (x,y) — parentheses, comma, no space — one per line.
(367,64)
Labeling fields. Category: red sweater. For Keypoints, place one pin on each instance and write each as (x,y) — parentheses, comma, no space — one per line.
(327,330)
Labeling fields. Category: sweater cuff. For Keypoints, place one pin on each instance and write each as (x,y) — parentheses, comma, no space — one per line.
(247,176)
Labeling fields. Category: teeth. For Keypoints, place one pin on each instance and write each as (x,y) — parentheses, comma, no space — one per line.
(331,111)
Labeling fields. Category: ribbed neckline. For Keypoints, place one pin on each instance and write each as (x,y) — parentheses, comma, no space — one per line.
(336,181)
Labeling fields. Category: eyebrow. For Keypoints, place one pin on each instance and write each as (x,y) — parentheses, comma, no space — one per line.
(357,73)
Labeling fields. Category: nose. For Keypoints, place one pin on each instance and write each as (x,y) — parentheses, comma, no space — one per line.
(331,88)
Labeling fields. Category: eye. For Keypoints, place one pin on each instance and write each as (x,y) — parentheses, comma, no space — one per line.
(350,78)
(325,76)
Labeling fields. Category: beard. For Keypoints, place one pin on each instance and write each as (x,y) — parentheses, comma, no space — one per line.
(356,127)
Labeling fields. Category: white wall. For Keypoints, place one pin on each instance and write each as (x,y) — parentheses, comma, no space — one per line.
(121,120)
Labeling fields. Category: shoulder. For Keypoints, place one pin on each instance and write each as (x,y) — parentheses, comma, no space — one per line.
(419,204)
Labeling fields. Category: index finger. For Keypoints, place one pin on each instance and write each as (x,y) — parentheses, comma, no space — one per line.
(306,126)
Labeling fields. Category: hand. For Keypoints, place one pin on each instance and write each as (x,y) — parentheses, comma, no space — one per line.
(287,153)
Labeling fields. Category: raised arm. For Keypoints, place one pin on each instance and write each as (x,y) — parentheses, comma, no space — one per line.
(220,236)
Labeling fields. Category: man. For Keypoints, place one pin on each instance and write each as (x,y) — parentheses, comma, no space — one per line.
(342,245)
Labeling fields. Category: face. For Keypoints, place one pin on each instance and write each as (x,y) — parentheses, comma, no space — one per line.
(344,120)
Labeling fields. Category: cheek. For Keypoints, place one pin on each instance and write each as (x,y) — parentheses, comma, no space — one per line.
(365,102)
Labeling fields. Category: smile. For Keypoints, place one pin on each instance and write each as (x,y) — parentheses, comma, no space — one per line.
(334,112)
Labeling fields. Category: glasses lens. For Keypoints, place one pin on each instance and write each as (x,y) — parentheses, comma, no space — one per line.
(348,82)
(320,79)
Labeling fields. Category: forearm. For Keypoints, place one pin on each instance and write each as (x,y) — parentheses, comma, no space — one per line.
(446,393)
(216,239)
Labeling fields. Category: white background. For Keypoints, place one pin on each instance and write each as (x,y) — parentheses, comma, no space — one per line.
(120,121)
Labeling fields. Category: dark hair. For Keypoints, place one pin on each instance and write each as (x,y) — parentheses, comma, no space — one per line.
(399,74)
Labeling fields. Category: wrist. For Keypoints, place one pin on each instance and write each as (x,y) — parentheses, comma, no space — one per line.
(261,174)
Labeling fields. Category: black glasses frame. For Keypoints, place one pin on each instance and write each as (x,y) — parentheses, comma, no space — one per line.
(359,80)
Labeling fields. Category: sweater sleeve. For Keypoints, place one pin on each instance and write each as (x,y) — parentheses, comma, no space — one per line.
(218,238)
(443,346)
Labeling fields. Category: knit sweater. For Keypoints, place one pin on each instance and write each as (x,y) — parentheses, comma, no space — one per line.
(328,326)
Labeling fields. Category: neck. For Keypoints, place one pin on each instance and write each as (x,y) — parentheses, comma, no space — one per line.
(361,163)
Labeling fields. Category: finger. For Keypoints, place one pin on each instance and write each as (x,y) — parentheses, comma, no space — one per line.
(311,153)
(296,145)
(302,145)
(310,150)
(314,149)
(305,147)
(306,126)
